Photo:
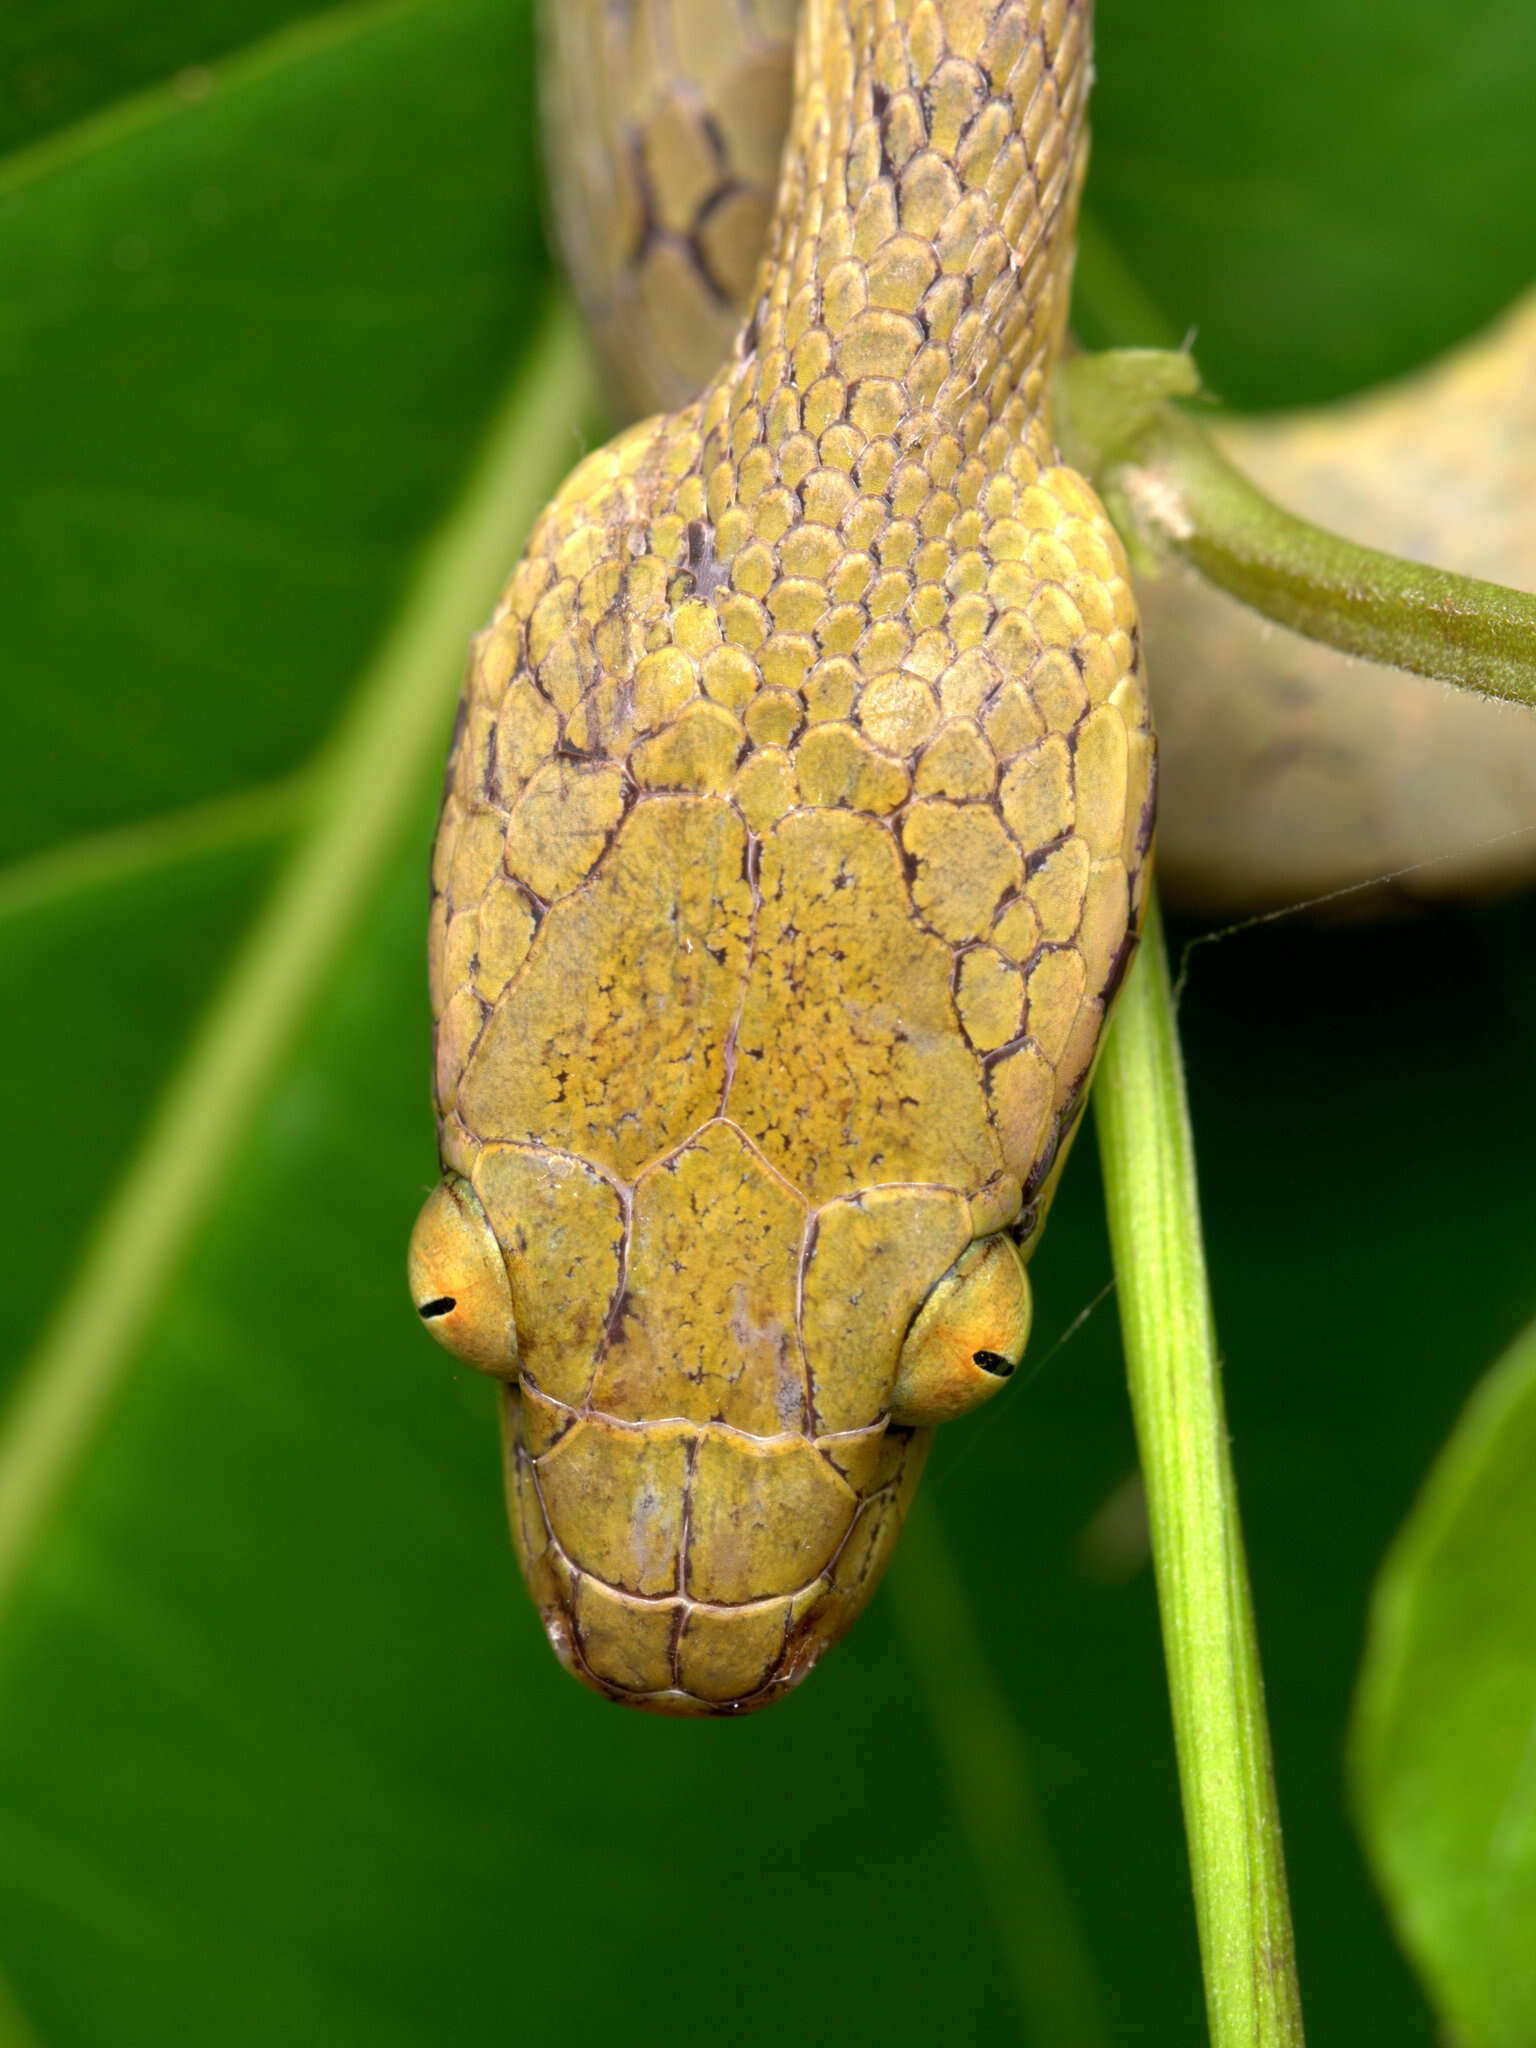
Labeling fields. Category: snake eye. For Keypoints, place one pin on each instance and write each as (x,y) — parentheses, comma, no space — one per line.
(458,1279)
(967,1337)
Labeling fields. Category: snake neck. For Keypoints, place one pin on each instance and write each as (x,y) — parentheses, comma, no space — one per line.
(918,267)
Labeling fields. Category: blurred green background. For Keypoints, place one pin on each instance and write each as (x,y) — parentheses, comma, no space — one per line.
(283,1756)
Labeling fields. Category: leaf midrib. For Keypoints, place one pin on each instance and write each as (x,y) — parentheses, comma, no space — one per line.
(364,784)
(140,112)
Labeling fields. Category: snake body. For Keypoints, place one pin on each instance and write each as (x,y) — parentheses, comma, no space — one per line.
(793,847)
(1288,770)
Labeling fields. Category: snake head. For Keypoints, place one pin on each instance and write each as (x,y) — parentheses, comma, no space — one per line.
(716,1396)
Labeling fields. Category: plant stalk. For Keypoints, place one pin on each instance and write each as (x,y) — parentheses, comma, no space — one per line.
(1172,492)
(1231,1817)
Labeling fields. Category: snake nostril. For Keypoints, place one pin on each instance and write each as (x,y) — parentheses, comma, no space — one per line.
(989,1361)
(440,1307)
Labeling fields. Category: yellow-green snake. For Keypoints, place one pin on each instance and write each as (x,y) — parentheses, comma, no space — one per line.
(793,847)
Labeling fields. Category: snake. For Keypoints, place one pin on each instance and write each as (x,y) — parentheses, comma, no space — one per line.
(794,843)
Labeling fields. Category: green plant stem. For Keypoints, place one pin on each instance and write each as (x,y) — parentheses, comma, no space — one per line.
(1231,1816)
(1172,492)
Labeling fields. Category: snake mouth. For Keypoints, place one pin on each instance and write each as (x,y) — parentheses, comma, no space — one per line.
(802,1645)
(674,1650)
(681,1656)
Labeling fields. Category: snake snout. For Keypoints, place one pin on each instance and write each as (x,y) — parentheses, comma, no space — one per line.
(694,1568)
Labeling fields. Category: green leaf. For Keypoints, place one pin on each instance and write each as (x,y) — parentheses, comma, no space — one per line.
(219,466)
(1444,1756)
(206,520)
(283,1755)
(1329,195)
